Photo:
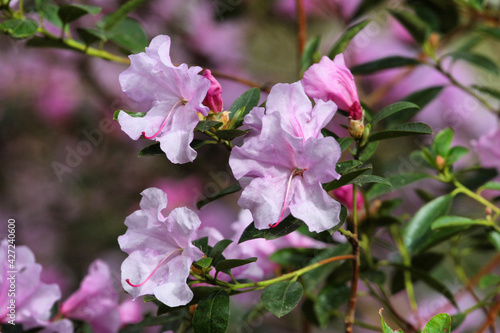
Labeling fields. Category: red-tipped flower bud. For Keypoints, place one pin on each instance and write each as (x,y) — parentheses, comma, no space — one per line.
(214,95)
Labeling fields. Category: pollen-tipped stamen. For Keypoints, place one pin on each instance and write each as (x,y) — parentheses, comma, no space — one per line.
(154,270)
(165,121)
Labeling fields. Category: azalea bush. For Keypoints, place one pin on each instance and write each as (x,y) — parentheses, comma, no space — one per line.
(349,182)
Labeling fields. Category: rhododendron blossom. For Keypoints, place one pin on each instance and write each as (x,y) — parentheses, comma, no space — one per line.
(331,80)
(285,159)
(174,96)
(160,250)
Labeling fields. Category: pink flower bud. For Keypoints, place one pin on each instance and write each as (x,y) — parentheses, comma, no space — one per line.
(331,80)
(214,95)
(344,196)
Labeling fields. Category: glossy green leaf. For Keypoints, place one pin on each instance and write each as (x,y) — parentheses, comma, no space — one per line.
(345,142)
(48,11)
(344,40)
(442,142)
(153,150)
(19,28)
(420,98)
(288,225)
(205,125)
(228,190)
(392,109)
(491,186)
(457,320)
(230,134)
(282,297)
(212,314)
(348,178)
(494,238)
(367,151)
(397,182)
(120,14)
(343,167)
(204,262)
(364,179)
(475,59)
(70,13)
(243,105)
(129,35)
(224,265)
(218,248)
(419,227)
(400,131)
(382,64)
(330,298)
(456,221)
(416,27)
(456,153)
(310,49)
(440,323)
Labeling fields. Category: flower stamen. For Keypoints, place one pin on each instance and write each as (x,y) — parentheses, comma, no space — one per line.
(154,270)
(165,121)
(296,172)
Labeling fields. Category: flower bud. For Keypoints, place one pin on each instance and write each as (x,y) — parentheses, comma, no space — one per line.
(356,128)
(214,95)
(440,162)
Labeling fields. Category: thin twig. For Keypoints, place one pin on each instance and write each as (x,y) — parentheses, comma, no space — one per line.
(301,29)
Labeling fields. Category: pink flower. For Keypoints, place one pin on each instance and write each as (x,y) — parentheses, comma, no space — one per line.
(160,250)
(130,312)
(285,159)
(332,81)
(344,196)
(214,96)
(487,149)
(173,94)
(33,299)
(96,301)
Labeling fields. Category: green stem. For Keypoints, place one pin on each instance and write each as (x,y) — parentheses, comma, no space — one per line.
(462,189)
(407,274)
(80,47)
(349,319)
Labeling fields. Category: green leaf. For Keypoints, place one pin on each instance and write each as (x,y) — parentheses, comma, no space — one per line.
(230,134)
(90,36)
(344,143)
(202,244)
(385,327)
(132,114)
(293,257)
(419,228)
(310,49)
(425,262)
(288,225)
(129,35)
(367,151)
(456,221)
(243,105)
(397,182)
(48,11)
(364,179)
(282,297)
(442,142)
(19,28)
(457,320)
(491,186)
(342,167)
(224,265)
(204,262)
(420,98)
(70,13)
(489,280)
(475,59)
(348,178)
(438,324)
(365,6)
(416,27)
(344,40)
(329,298)
(400,131)
(153,150)
(494,238)
(456,153)
(218,248)
(46,42)
(382,64)
(205,125)
(392,109)
(228,190)
(487,90)
(212,314)
(120,14)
